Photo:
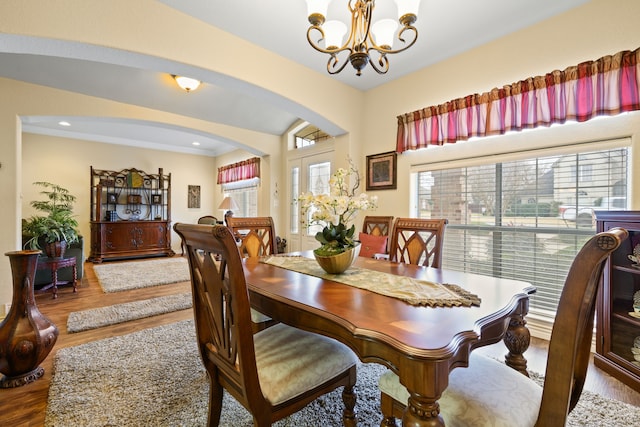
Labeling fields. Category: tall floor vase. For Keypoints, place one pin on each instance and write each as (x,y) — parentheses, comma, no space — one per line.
(26,335)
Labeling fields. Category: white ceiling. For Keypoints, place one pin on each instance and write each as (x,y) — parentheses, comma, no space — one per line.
(446,28)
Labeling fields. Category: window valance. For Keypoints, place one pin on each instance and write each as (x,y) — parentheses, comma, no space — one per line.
(607,86)
(246,169)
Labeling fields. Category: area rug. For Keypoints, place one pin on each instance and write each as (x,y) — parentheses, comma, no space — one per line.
(123,276)
(155,377)
(79,321)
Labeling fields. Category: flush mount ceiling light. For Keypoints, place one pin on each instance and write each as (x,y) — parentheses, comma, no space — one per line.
(364,38)
(186,83)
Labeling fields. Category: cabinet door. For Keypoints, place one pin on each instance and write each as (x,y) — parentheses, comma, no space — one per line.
(618,324)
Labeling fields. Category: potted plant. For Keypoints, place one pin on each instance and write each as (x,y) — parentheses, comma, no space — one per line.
(53,231)
(335,211)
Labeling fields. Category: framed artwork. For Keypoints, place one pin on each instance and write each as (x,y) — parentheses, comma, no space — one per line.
(381,171)
(193,196)
(112,198)
(156,199)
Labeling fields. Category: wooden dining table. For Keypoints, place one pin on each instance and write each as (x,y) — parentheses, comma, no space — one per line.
(421,344)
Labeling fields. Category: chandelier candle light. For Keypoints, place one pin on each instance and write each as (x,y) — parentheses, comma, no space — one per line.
(365,37)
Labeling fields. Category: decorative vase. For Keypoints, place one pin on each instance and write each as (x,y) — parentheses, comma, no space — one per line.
(337,264)
(26,335)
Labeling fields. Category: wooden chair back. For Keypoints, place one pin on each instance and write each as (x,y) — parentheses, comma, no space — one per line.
(221,309)
(377,225)
(208,219)
(233,354)
(256,234)
(570,344)
(417,241)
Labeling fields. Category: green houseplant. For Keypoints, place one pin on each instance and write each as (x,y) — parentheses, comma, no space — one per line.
(335,212)
(58,227)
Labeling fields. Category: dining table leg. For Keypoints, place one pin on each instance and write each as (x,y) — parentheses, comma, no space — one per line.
(422,412)
(517,340)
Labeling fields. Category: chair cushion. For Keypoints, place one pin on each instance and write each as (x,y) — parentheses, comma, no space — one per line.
(291,361)
(371,245)
(257,317)
(487,393)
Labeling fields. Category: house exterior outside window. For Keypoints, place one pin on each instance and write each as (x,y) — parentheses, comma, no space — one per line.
(524,219)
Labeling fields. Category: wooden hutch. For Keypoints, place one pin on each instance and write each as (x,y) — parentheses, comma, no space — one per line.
(130,214)
(617,324)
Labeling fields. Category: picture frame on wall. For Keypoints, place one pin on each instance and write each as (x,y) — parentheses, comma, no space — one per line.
(156,199)
(112,198)
(381,171)
(193,200)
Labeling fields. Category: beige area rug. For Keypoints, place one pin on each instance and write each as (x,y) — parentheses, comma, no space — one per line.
(123,276)
(155,377)
(79,321)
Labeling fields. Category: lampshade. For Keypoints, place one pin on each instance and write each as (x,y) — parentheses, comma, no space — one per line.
(334,32)
(228,204)
(384,31)
(187,83)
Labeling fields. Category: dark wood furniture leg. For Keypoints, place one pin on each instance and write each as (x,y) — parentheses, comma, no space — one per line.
(517,340)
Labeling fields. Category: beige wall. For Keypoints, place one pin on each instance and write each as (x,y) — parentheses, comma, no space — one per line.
(67,162)
(72,171)
(598,28)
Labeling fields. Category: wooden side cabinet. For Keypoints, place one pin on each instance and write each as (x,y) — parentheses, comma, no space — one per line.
(129,239)
(617,326)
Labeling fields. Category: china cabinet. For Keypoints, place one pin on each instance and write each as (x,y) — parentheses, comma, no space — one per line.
(617,323)
(130,214)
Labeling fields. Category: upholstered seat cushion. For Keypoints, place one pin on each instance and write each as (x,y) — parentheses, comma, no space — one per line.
(487,393)
(371,245)
(257,317)
(291,361)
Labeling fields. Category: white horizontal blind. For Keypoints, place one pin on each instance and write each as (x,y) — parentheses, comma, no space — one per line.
(245,194)
(504,218)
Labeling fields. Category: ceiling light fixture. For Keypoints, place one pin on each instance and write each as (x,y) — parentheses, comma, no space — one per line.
(63,123)
(186,83)
(364,37)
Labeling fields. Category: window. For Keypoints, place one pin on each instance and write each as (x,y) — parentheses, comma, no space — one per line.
(318,183)
(245,194)
(524,219)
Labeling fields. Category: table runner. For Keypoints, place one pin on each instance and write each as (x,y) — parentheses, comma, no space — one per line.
(408,289)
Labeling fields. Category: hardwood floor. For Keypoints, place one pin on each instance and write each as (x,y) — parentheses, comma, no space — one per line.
(25,406)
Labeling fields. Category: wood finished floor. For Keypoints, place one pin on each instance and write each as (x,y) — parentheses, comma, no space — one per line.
(26,406)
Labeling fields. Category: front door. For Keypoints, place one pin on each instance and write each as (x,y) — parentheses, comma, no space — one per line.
(310,173)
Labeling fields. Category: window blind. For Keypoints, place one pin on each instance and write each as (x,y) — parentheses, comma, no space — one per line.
(506,219)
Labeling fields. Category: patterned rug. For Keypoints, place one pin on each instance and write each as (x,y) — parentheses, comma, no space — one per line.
(113,314)
(123,276)
(155,377)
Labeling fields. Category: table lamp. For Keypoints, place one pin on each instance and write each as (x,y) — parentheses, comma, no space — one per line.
(228,205)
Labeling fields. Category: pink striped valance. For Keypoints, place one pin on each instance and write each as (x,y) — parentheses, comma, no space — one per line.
(607,86)
(246,169)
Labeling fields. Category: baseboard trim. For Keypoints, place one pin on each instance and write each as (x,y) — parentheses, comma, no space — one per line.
(540,327)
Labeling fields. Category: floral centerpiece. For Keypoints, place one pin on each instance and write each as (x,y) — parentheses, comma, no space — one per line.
(336,211)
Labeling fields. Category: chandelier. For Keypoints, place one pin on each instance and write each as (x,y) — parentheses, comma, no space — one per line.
(365,38)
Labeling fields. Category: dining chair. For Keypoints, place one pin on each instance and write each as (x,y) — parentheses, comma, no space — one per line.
(256,237)
(489,392)
(417,241)
(208,219)
(272,373)
(374,236)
